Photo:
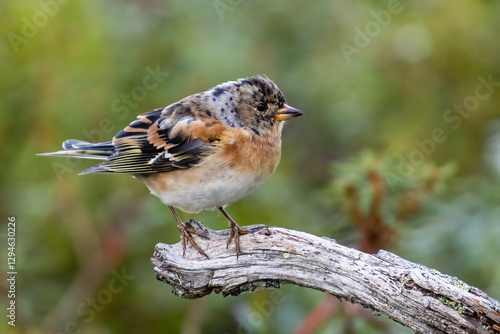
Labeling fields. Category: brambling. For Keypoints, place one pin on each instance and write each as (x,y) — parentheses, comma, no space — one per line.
(204,152)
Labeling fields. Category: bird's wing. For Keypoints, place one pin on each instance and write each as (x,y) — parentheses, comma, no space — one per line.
(162,140)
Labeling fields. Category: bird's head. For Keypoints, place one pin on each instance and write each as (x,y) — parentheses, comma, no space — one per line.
(255,103)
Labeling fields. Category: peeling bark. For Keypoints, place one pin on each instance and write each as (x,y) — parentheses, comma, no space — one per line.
(423,299)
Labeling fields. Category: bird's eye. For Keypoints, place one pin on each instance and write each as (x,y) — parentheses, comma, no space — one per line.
(262,106)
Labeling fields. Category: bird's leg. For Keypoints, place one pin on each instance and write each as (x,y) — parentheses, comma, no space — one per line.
(236,231)
(186,236)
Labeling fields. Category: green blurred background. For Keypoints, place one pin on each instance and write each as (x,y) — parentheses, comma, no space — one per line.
(406,92)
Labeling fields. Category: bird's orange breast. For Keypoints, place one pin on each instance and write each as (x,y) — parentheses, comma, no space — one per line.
(240,165)
(248,153)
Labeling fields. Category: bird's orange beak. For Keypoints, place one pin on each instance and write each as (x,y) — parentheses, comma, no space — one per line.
(287,112)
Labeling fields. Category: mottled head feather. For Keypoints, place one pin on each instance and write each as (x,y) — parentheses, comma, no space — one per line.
(249,102)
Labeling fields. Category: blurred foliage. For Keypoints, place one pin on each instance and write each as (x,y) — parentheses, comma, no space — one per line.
(415,82)
(376,200)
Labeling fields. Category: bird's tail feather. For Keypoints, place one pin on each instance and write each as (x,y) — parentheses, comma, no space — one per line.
(85,150)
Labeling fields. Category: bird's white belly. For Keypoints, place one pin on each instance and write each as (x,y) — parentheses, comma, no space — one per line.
(197,191)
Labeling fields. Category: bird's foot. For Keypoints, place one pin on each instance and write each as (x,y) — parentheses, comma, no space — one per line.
(187,231)
(235,233)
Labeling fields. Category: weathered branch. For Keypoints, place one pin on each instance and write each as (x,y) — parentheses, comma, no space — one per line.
(411,294)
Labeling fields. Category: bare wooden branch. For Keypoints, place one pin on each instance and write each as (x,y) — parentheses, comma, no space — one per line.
(411,294)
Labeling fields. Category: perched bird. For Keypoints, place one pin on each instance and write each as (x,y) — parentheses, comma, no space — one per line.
(204,152)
